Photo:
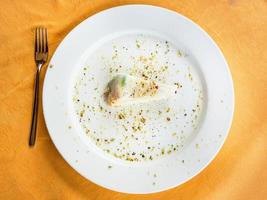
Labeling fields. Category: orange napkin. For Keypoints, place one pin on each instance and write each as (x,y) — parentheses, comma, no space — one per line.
(239,171)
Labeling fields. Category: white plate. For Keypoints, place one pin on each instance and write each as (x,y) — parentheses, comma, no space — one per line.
(179,136)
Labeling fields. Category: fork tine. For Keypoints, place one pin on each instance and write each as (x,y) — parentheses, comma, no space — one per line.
(42,38)
(39,40)
(44,30)
(35,42)
(46,39)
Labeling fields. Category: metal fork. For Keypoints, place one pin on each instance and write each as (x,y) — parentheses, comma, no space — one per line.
(41,55)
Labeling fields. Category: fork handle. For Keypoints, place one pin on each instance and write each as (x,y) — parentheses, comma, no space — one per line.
(35,107)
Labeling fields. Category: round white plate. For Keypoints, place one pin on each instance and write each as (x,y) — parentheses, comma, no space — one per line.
(148,147)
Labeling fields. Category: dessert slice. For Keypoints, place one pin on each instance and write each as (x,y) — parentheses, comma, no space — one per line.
(126,89)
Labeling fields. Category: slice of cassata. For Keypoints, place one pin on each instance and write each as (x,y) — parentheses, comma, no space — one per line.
(125,89)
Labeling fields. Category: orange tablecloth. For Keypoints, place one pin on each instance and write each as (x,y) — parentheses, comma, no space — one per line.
(239,171)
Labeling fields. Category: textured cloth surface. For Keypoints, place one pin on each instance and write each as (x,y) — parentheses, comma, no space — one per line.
(239,171)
